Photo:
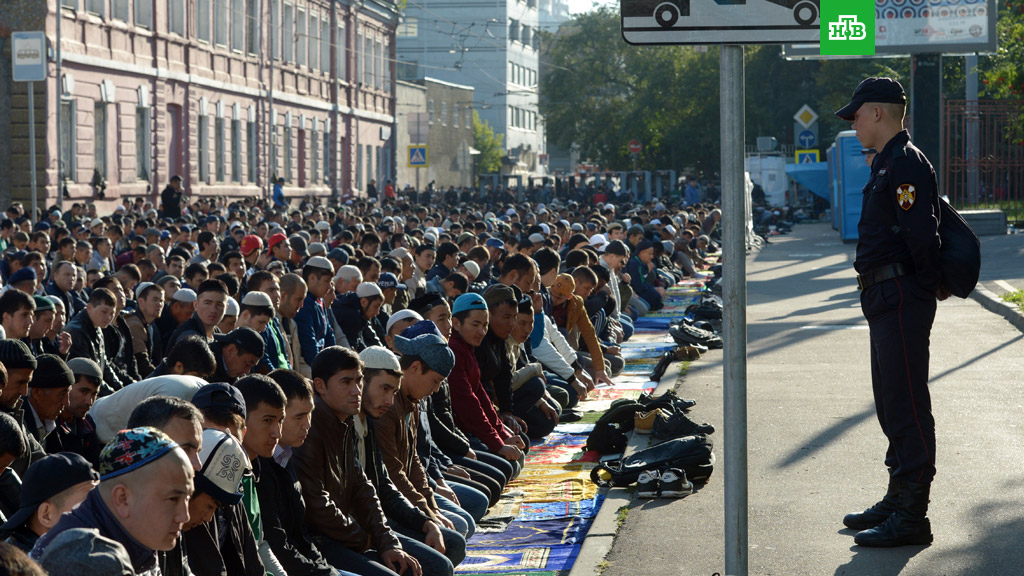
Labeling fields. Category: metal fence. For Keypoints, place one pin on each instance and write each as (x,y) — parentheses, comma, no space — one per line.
(984,155)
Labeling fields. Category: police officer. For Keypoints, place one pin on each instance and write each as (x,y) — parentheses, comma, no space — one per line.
(900,280)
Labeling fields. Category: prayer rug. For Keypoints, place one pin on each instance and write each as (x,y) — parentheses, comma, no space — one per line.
(556,482)
(528,559)
(537,511)
(553,532)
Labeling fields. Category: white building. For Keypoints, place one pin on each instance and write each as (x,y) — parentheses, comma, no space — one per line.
(493,46)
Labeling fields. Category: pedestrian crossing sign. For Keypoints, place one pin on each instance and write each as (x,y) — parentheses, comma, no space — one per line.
(418,157)
(807,156)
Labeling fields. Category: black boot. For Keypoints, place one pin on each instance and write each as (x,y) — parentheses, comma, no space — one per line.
(909,525)
(876,514)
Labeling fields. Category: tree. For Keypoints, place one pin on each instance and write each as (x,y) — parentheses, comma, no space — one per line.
(489,144)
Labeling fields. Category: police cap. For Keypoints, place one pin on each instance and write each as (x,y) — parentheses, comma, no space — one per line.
(884,90)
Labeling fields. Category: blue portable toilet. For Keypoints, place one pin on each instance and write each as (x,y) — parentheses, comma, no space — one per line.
(850,175)
(830,159)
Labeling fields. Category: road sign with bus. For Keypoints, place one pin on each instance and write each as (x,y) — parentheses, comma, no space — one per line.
(720,21)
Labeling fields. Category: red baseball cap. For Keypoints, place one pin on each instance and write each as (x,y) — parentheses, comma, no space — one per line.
(250,244)
(275,240)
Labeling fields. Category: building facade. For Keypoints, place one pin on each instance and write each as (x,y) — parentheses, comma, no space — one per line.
(225,93)
(492,46)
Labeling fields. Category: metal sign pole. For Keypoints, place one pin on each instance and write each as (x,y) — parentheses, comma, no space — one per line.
(734,293)
(32,142)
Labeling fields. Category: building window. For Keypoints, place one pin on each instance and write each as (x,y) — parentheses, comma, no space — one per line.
(469,116)
(430,111)
(204,150)
(301,137)
(455,115)
(289,33)
(359,57)
(288,154)
(220,22)
(73,4)
(367,77)
(388,67)
(314,147)
(253,149)
(99,138)
(314,42)
(513,30)
(144,13)
(273,152)
(300,38)
(203,20)
(275,39)
(142,140)
(119,10)
(410,28)
(369,164)
(378,53)
(218,147)
(359,167)
(176,17)
(97,7)
(327,155)
(67,139)
(341,63)
(325,45)
(444,113)
(238,18)
(236,150)
(250,27)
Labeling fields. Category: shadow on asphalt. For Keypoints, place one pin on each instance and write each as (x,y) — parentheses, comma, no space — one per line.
(879,561)
(825,437)
(966,363)
(995,539)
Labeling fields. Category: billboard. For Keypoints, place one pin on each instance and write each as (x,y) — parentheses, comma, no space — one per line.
(925,26)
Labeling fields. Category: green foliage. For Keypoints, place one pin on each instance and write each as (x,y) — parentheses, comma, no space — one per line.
(1015,297)
(489,144)
(1002,73)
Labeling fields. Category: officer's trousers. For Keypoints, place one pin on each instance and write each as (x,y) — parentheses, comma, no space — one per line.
(900,315)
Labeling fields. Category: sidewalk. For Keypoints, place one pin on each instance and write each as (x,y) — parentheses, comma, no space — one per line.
(1002,271)
(815,448)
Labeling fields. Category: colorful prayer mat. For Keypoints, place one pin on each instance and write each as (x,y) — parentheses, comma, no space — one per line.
(537,511)
(553,532)
(574,428)
(556,482)
(528,559)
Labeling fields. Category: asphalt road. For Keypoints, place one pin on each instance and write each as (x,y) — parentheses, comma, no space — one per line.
(815,448)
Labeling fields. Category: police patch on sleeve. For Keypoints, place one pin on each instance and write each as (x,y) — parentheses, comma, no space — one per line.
(905,195)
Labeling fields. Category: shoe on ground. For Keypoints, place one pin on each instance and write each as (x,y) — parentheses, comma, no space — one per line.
(647,484)
(570,415)
(673,484)
(678,425)
(689,353)
(643,422)
(876,514)
(663,363)
(669,402)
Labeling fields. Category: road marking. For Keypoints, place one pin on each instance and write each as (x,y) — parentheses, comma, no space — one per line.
(1004,285)
(835,327)
(805,255)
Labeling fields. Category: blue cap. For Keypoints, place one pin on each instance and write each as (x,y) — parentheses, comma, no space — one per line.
(469,301)
(23,275)
(419,329)
(495,243)
(388,280)
(165,234)
(431,349)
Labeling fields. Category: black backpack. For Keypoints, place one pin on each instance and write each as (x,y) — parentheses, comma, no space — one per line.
(691,454)
(960,254)
(609,435)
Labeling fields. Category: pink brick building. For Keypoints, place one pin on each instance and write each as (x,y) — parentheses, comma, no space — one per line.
(226,93)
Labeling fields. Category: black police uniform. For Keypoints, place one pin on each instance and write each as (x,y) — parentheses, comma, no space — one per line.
(898,266)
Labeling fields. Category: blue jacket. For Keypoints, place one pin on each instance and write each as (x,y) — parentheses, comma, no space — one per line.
(313,328)
(279,201)
(274,346)
(642,282)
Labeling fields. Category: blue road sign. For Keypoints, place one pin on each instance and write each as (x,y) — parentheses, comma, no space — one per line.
(807,139)
(28,56)
(418,157)
(807,156)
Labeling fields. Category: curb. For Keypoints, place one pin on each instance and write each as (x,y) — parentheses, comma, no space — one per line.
(993,303)
(602,532)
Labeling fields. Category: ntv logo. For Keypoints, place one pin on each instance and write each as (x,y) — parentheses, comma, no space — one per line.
(847,28)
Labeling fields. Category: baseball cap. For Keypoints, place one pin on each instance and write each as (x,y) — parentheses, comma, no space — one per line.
(275,239)
(132,449)
(245,340)
(369,290)
(379,358)
(46,478)
(495,243)
(23,275)
(400,316)
(338,254)
(430,348)
(469,301)
(388,280)
(186,295)
(224,464)
(250,244)
(85,367)
(885,90)
(219,394)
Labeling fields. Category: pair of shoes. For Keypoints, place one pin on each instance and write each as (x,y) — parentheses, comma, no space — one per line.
(678,425)
(908,525)
(663,363)
(669,401)
(878,513)
(689,353)
(570,415)
(671,483)
(643,422)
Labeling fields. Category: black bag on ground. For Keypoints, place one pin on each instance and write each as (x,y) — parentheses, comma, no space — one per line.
(960,254)
(691,454)
(609,433)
